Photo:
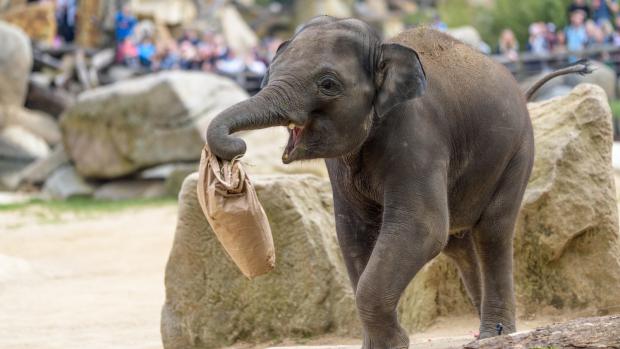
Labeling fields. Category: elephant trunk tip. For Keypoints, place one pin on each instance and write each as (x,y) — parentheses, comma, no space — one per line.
(222,144)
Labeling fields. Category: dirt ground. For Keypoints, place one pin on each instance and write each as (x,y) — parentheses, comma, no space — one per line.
(95,280)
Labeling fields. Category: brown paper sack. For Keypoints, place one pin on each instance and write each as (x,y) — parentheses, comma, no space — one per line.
(229,202)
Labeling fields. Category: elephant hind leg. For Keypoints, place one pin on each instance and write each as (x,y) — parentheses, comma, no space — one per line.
(493,240)
(461,250)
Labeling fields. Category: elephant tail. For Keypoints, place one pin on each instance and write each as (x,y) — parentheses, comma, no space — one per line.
(581,67)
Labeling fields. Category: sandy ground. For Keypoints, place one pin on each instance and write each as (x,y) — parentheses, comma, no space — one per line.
(96,281)
(83,282)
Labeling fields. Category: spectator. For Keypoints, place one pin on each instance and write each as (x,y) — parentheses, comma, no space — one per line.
(616,33)
(65,18)
(537,42)
(146,52)
(231,64)
(594,33)
(508,45)
(560,43)
(579,5)
(438,24)
(124,24)
(576,35)
(603,11)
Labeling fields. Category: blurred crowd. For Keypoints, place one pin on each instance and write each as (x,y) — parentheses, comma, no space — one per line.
(138,47)
(193,50)
(590,25)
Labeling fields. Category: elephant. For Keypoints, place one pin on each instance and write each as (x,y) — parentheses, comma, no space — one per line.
(428,146)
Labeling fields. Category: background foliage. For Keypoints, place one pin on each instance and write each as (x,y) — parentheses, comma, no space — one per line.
(514,14)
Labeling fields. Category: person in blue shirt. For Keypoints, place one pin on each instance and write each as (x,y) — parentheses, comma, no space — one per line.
(576,35)
(603,10)
(124,24)
(146,52)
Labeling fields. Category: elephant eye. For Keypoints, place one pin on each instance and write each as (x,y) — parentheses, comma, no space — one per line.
(329,86)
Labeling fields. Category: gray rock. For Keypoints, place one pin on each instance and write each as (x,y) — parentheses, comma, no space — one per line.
(65,183)
(172,174)
(210,304)
(131,189)
(15,64)
(10,172)
(118,129)
(18,143)
(36,122)
(38,171)
(166,170)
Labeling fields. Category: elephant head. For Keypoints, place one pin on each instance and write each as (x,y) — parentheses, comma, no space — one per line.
(328,84)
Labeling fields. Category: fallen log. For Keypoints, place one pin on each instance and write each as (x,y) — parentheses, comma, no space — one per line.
(596,332)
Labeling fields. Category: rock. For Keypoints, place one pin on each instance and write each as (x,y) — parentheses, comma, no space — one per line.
(264,151)
(37,123)
(171,12)
(131,189)
(210,304)
(66,183)
(569,210)
(172,174)
(38,20)
(10,172)
(236,31)
(40,170)
(115,130)
(15,65)
(18,143)
(166,170)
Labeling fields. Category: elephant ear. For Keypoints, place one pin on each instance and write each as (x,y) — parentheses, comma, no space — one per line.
(280,49)
(400,77)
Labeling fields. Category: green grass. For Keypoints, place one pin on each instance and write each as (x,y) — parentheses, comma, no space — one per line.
(86,205)
(615,108)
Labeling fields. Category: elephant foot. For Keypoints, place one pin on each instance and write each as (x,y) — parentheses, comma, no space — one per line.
(497,330)
(389,338)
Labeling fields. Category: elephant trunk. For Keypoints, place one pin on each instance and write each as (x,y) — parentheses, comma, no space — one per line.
(260,111)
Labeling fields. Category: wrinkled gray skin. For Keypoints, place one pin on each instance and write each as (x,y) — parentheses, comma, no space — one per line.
(429,148)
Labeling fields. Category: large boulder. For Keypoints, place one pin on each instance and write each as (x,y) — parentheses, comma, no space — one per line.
(210,304)
(567,248)
(118,129)
(115,130)
(38,123)
(15,65)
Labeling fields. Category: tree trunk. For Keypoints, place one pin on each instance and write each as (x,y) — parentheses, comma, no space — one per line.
(598,332)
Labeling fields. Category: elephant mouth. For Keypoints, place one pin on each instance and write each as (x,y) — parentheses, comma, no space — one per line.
(292,149)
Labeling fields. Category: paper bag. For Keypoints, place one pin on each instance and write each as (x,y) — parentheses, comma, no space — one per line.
(229,202)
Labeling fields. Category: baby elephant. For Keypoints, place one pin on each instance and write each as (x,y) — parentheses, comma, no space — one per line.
(428,145)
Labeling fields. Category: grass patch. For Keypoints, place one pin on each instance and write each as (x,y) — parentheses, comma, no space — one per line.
(86,205)
(615,108)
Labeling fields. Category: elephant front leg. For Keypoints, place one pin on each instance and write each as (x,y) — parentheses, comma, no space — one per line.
(413,232)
